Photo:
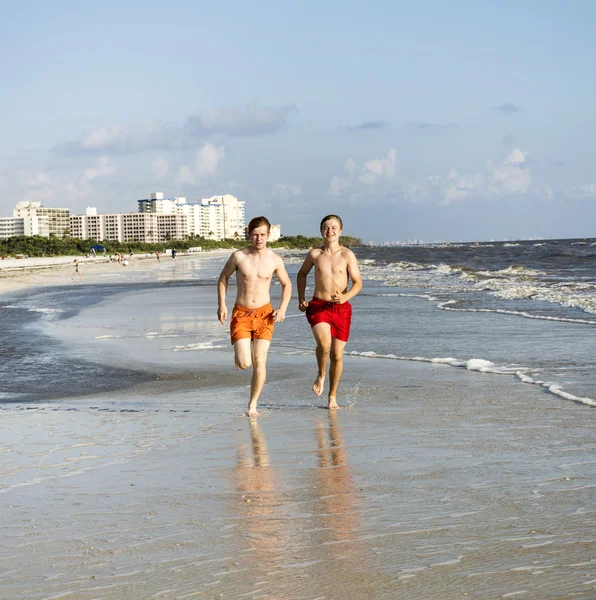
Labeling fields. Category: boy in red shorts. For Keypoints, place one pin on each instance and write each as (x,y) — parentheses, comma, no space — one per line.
(253,317)
(329,312)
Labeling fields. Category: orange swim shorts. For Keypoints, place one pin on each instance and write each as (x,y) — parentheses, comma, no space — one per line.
(339,317)
(252,323)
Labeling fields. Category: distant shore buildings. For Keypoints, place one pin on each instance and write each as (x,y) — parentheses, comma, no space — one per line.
(158,219)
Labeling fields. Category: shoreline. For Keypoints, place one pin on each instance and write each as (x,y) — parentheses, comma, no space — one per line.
(19,273)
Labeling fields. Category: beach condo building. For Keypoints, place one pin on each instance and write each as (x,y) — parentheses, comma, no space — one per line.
(128,227)
(215,218)
(234,219)
(275,233)
(11,226)
(58,219)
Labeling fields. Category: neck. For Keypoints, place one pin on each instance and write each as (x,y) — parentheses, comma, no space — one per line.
(331,246)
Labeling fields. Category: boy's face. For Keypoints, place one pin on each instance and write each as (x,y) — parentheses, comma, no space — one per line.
(331,229)
(259,237)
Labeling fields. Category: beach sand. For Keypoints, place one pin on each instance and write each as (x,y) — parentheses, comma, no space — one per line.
(432,483)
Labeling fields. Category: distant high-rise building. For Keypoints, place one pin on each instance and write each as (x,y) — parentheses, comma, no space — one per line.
(216,218)
(57,218)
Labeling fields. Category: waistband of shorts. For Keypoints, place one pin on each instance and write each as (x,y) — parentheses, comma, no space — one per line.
(261,310)
(318,302)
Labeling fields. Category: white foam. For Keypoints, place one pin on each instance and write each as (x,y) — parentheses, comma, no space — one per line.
(212,345)
(518,313)
(481,365)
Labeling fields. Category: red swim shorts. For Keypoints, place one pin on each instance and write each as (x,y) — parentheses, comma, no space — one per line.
(339,317)
(253,323)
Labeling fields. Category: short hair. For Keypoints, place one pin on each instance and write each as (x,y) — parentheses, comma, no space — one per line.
(338,219)
(259,222)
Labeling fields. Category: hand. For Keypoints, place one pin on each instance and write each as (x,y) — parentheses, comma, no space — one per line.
(302,306)
(279,315)
(222,313)
(338,297)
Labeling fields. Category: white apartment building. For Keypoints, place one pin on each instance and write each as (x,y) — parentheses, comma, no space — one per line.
(275,233)
(213,218)
(12,226)
(128,227)
(57,218)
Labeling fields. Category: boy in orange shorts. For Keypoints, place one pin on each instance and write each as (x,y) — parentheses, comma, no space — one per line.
(253,317)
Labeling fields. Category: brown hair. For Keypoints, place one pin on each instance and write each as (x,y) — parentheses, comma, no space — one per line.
(338,219)
(259,222)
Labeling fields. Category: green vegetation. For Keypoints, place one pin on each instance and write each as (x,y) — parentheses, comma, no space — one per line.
(301,242)
(53,246)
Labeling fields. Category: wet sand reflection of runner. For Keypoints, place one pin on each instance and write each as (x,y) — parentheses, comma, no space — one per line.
(263,524)
(342,536)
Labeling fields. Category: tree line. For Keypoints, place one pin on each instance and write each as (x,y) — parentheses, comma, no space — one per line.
(36,246)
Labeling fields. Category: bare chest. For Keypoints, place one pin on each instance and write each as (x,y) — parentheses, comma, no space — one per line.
(254,271)
(334,265)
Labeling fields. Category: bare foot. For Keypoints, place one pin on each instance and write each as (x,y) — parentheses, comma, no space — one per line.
(332,404)
(317,386)
(252,411)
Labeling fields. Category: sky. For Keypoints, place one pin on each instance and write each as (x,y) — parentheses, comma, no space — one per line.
(427,120)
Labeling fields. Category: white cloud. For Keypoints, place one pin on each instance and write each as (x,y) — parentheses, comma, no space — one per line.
(371,173)
(511,176)
(206,163)
(457,187)
(251,120)
(284,194)
(286,190)
(43,187)
(246,121)
(83,185)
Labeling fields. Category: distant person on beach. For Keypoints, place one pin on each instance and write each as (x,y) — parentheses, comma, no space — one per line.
(329,313)
(77,270)
(157,255)
(174,252)
(253,317)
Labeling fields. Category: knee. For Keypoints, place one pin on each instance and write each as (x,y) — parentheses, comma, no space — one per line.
(337,357)
(260,362)
(242,363)
(324,347)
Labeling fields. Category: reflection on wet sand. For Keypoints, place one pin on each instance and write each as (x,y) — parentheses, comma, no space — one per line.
(260,501)
(346,569)
(299,530)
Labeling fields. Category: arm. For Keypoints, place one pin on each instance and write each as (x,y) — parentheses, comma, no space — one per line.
(307,265)
(222,287)
(286,291)
(354,276)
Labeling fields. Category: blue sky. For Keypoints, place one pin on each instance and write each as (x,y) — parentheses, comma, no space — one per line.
(429,120)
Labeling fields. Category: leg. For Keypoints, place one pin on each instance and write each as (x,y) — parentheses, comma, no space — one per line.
(322,334)
(260,348)
(335,370)
(242,354)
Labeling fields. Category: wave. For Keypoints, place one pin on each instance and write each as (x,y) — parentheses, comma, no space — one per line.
(212,345)
(524,374)
(515,282)
(518,313)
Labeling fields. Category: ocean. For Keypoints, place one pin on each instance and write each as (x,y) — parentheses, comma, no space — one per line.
(523,310)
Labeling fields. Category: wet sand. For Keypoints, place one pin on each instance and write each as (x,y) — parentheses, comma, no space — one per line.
(431,483)
(427,495)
